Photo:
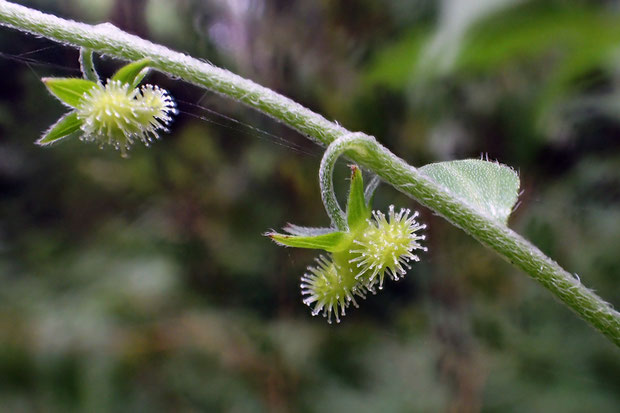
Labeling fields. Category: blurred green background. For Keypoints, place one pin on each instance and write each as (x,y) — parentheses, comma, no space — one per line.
(144,284)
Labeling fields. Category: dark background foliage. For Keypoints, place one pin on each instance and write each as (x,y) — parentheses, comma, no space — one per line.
(144,284)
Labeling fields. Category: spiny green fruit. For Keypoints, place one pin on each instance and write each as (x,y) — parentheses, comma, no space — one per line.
(329,288)
(358,258)
(387,245)
(117,114)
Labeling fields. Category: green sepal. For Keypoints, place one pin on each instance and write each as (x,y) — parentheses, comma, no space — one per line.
(357,209)
(68,90)
(65,126)
(330,242)
(133,73)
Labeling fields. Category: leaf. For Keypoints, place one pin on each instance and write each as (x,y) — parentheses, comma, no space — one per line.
(133,73)
(331,242)
(68,90)
(490,187)
(581,38)
(65,126)
(357,210)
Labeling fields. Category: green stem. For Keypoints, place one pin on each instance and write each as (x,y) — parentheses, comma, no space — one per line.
(87,65)
(326,177)
(107,39)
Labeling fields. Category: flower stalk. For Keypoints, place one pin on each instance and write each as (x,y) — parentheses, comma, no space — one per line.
(87,65)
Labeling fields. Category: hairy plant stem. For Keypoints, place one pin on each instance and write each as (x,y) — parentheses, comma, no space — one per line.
(326,181)
(326,173)
(87,66)
(107,39)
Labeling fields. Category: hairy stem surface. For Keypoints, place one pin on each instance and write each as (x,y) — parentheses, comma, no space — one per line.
(87,66)
(107,39)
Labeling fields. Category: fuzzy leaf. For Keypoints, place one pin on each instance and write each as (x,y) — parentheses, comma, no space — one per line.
(357,210)
(331,242)
(490,187)
(65,126)
(68,90)
(133,73)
